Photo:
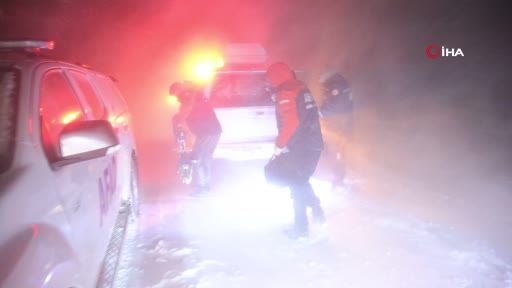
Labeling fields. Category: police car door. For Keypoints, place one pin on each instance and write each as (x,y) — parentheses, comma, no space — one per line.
(77,183)
(118,115)
(245,111)
(104,194)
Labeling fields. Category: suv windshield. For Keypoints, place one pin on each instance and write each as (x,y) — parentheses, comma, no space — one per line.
(240,90)
(9,87)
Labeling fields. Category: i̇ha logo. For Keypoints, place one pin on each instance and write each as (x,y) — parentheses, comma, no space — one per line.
(435,51)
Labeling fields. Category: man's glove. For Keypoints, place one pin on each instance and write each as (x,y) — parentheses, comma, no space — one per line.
(278,151)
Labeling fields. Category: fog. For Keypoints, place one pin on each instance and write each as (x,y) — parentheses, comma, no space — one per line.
(431,138)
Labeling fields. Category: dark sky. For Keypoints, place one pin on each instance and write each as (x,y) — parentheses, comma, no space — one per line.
(379,45)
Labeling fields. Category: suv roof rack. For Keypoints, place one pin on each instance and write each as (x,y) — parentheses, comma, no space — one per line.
(27,46)
(245,53)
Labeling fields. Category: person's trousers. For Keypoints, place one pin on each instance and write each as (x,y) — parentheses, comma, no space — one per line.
(202,155)
(301,189)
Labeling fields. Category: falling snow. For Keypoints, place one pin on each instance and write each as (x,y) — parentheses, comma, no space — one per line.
(233,238)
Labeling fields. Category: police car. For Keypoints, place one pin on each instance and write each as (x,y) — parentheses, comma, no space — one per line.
(67,168)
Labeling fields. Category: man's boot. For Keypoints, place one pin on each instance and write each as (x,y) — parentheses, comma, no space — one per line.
(318,214)
(296,232)
(300,228)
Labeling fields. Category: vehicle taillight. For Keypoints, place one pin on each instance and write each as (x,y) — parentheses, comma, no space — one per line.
(9,87)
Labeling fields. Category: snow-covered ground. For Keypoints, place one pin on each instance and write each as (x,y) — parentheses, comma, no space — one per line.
(233,238)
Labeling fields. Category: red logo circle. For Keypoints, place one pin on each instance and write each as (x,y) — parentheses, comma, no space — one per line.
(433,51)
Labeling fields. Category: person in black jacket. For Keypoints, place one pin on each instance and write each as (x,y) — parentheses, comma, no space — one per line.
(197,114)
(336,111)
(337,95)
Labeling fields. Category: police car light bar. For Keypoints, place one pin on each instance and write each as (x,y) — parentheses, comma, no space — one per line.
(27,45)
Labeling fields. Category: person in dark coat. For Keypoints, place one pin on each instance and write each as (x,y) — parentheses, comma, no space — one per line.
(197,114)
(337,95)
(336,112)
(298,145)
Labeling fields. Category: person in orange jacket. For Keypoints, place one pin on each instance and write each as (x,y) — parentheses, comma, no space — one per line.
(298,145)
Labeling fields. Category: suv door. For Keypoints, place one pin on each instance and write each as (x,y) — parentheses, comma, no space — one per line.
(86,188)
(245,111)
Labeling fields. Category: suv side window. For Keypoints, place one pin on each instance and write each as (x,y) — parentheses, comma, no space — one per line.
(95,106)
(240,90)
(58,106)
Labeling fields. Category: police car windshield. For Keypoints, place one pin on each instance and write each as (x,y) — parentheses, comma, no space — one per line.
(9,87)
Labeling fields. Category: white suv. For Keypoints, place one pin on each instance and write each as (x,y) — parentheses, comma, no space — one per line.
(242,100)
(243,104)
(67,161)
